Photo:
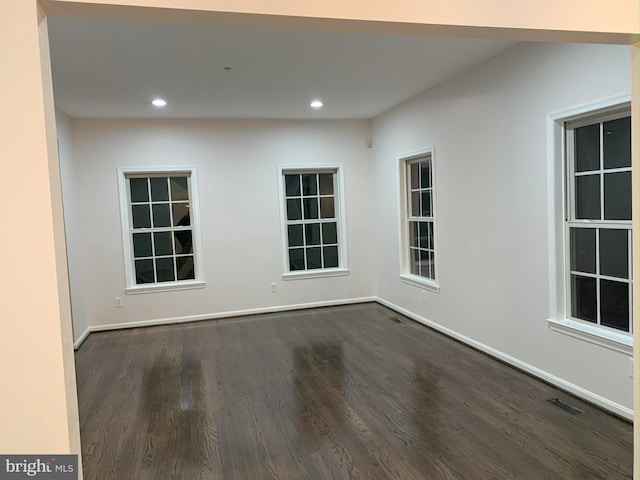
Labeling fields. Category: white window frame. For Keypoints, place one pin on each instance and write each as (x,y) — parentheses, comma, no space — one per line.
(126,226)
(559,200)
(404,160)
(340,212)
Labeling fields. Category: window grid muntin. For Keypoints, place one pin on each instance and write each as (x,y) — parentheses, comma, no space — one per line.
(597,224)
(319,220)
(172,229)
(421,219)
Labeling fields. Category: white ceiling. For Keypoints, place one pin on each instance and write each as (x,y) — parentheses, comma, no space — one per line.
(113,68)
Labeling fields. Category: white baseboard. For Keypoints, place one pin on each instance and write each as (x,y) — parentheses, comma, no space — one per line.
(227,314)
(83,336)
(587,395)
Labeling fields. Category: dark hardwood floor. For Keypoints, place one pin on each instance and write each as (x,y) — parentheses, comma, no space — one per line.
(332,393)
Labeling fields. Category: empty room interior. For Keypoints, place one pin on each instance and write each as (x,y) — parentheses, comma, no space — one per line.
(426,276)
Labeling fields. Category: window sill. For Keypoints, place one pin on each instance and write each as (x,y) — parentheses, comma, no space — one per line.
(165,287)
(420,282)
(602,336)
(332,272)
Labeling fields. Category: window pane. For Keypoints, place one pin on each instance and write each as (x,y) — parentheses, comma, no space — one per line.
(139,189)
(309,186)
(161,216)
(430,242)
(415,175)
(413,234)
(426,204)
(614,304)
(162,243)
(414,260)
(312,234)
(424,235)
(587,148)
(179,188)
(583,298)
(617,143)
(330,257)
(314,258)
(329,233)
(186,269)
(327,209)
(425,174)
(141,216)
(292,185)
(144,271)
(310,208)
(425,268)
(183,241)
(588,197)
(614,261)
(583,250)
(295,235)
(296,259)
(159,189)
(432,266)
(181,214)
(142,245)
(415,204)
(617,196)
(294,209)
(164,270)
(326,183)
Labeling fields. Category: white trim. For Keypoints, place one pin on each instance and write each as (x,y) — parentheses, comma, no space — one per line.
(341,219)
(556,213)
(83,336)
(165,287)
(228,314)
(420,282)
(536,372)
(319,273)
(604,337)
(131,286)
(403,224)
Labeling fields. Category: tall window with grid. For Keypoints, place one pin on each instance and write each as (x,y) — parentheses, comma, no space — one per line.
(312,220)
(420,216)
(598,220)
(160,228)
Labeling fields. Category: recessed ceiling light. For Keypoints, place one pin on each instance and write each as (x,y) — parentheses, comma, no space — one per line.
(159,102)
(316,104)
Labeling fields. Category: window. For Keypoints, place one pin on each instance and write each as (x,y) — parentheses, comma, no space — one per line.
(313,221)
(598,219)
(159,226)
(418,228)
(590,251)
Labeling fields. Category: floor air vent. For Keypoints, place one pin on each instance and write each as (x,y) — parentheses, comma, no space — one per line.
(565,406)
(395,319)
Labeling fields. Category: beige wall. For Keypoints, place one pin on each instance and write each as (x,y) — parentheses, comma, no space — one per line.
(38,409)
(612,21)
(37,412)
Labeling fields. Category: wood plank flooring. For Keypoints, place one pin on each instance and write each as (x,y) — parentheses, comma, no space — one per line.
(333,393)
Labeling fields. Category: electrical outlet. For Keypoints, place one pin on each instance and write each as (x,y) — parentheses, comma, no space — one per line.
(274,289)
(118,302)
(424,295)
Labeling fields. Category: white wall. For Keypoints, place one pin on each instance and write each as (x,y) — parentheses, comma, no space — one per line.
(239,208)
(71,222)
(488,128)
